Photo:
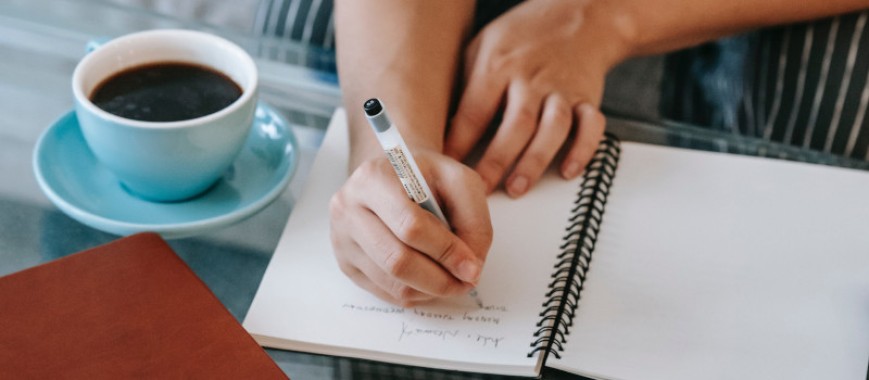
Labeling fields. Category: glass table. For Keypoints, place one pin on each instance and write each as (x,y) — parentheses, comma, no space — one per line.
(40,43)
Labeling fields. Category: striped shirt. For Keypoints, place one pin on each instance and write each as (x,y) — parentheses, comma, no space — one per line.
(803,85)
(311,22)
(307,21)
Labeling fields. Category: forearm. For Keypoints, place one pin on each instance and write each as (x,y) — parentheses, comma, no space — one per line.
(657,26)
(405,53)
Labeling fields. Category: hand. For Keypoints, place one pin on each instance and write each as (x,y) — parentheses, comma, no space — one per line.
(544,63)
(392,247)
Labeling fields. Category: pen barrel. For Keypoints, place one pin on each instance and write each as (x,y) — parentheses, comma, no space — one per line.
(403,163)
(408,172)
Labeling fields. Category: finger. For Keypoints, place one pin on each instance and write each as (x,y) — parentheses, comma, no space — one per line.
(591,125)
(402,262)
(514,133)
(477,107)
(362,278)
(472,52)
(555,123)
(417,228)
(464,200)
(367,275)
(353,261)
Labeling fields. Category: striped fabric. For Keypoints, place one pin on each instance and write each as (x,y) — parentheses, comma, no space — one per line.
(803,85)
(308,26)
(306,21)
(311,23)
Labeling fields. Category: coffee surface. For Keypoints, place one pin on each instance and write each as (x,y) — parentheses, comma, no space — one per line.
(165,91)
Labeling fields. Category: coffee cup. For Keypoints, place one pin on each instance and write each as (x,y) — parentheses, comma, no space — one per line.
(155,108)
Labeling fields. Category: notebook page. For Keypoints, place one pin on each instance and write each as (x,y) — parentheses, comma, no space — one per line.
(722,266)
(305,303)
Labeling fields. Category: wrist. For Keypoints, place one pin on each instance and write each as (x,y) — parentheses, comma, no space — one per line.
(609,27)
(364,145)
(647,28)
(618,22)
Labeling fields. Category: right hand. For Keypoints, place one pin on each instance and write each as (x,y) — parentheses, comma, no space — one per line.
(395,249)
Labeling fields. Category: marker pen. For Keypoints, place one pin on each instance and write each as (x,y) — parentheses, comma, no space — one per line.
(401,159)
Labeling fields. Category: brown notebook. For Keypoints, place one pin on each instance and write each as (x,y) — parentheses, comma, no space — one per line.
(130,308)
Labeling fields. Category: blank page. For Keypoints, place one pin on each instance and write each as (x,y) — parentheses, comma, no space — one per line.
(721,266)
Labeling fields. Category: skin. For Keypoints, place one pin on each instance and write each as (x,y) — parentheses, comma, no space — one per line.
(539,69)
(387,244)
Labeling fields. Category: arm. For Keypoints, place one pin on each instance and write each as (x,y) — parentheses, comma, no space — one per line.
(550,74)
(406,53)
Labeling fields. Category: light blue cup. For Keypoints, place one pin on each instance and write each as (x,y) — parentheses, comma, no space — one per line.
(166,161)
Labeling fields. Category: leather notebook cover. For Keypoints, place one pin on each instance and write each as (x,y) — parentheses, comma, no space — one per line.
(130,308)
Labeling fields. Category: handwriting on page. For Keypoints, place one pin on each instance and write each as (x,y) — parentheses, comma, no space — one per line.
(452,325)
(408,331)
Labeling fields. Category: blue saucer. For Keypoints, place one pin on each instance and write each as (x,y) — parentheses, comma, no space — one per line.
(81,187)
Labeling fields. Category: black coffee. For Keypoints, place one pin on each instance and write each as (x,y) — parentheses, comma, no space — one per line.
(165,91)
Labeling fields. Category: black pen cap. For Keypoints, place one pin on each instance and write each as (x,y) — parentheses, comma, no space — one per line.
(372,107)
(376,115)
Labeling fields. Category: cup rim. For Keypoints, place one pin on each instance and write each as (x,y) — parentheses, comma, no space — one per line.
(246,95)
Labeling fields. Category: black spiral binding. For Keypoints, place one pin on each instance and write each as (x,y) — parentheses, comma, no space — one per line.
(562,298)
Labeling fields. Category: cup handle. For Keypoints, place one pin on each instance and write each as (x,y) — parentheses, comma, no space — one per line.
(95,43)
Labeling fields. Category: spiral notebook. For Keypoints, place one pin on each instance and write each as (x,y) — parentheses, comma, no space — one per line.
(659,263)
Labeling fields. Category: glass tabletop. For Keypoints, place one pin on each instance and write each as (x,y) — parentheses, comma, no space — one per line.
(41,41)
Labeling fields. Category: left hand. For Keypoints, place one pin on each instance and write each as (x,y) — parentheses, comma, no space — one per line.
(544,62)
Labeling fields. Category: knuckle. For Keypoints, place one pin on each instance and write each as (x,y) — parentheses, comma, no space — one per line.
(559,113)
(337,205)
(403,293)
(348,269)
(446,288)
(497,162)
(469,117)
(499,61)
(410,228)
(447,252)
(540,77)
(371,170)
(397,262)
(473,179)
(365,170)
(526,116)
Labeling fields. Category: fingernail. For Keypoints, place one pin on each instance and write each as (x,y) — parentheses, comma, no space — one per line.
(572,169)
(469,271)
(518,186)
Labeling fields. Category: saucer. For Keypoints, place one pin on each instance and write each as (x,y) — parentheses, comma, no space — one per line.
(84,189)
